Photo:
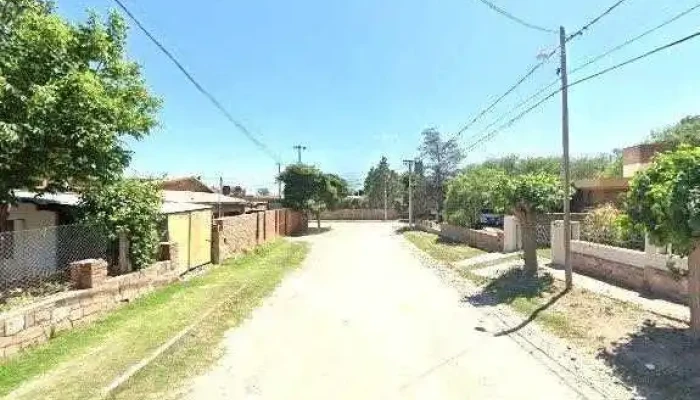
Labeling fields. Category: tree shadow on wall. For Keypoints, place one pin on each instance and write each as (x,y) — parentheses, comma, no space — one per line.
(659,362)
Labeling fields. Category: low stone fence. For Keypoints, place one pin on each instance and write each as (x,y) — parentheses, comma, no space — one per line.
(240,233)
(359,214)
(95,294)
(488,240)
(643,271)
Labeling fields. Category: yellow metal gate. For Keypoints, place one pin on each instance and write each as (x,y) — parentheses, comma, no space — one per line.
(192,232)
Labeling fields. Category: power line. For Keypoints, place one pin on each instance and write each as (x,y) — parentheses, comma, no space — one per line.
(579,81)
(636,38)
(197,85)
(590,62)
(516,19)
(532,70)
(594,20)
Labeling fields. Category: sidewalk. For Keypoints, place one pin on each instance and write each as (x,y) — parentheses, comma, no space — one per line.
(656,306)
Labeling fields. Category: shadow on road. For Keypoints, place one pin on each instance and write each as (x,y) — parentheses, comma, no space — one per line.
(313,231)
(516,284)
(660,362)
(511,285)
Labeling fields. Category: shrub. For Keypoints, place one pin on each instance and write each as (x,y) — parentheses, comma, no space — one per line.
(130,206)
(608,225)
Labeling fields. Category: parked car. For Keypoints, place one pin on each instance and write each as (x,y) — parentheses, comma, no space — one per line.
(490,218)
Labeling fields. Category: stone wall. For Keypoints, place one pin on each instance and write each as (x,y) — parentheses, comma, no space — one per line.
(645,272)
(241,233)
(95,295)
(359,214)
(488,240)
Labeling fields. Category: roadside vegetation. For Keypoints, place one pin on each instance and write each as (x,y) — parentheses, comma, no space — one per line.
(440,248)
(101,352)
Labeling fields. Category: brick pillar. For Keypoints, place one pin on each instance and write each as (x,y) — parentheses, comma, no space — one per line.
(86,274)
(169,252)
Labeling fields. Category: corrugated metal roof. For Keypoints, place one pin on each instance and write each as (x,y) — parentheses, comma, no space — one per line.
(64,199)
(178,196)
(174,208)
(73,200)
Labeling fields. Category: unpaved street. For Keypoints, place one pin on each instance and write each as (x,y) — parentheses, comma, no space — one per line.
(363,319)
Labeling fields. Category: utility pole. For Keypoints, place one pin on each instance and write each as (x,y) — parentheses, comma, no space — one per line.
(565,167)
(410,191)
(279,182)
(299,148)
(221,192)
(385,196)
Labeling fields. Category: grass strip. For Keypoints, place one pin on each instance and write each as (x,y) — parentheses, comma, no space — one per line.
(78,363)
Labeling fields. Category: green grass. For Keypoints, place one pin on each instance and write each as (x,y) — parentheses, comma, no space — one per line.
(439,248)
(79,363)
(545,253)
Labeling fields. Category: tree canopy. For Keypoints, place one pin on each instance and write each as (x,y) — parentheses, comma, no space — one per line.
(686,131)
(306,188)
(68,98)
(378,179)
(665,199)
(441,159)
(473,191)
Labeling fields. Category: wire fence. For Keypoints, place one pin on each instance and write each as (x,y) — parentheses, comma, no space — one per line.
(29,258)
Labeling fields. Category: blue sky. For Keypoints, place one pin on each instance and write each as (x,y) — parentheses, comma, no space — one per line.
(356,79)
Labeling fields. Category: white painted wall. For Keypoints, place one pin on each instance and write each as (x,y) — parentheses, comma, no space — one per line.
(35,242)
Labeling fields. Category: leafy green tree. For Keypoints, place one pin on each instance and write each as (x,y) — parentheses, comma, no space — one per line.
(604,165)
(528,196)
(665,199)
(68,99)
(441,158)
(380,180)
(473,191)
(308,189)
(131,207)
(686,131)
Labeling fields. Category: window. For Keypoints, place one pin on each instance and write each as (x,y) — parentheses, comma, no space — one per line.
(7,241)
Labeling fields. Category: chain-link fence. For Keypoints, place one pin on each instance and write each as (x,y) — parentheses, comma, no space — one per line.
(30,257)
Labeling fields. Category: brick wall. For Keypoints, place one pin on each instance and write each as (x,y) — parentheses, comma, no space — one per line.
(97,294)
(359,214)
(481,239)
(240,233)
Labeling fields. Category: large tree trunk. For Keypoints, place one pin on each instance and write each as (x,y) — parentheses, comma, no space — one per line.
(529,242)
(318,219)
(694,290)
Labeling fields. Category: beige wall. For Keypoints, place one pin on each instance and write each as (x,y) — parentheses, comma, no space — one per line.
(34,243)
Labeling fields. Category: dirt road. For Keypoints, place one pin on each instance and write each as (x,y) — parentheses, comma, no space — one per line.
(364,319)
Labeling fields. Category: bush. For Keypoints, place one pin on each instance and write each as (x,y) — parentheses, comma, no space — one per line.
(608,225)
(130,206)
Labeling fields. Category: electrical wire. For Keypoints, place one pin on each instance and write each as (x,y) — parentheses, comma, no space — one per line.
(532,70)
(198,86)
(595,20)
(516,19)
(496,131)
(590,62)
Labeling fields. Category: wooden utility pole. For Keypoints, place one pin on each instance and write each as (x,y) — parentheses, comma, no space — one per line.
(565,167)
(385,196)
(410,191)
(299,148)
(221,192)
(279,182)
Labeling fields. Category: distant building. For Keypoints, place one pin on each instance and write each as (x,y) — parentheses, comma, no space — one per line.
(191,190)
(591,193)
(637,158)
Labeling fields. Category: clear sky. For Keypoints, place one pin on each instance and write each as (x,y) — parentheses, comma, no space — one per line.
(355,79)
